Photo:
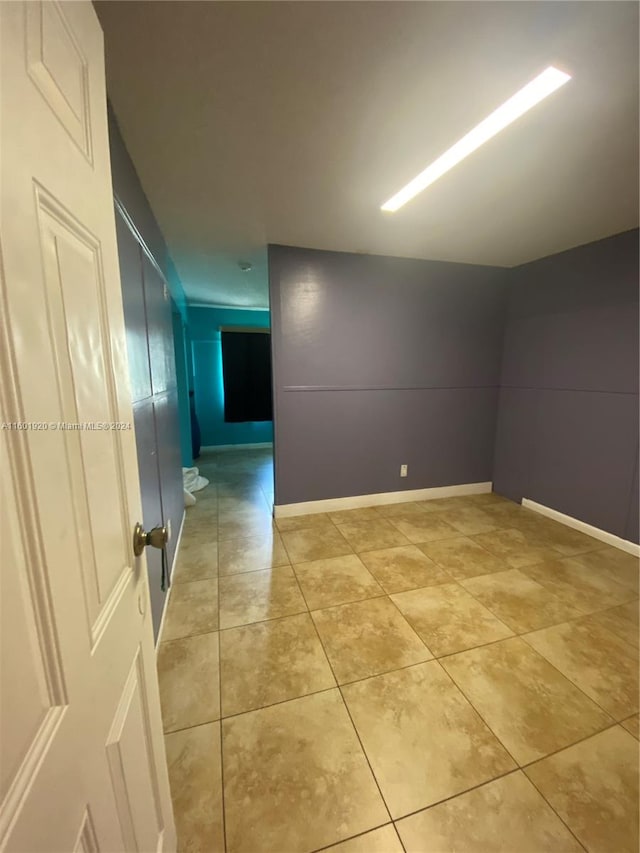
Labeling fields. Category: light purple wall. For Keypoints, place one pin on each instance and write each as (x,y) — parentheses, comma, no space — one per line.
(567,431)
(381,361)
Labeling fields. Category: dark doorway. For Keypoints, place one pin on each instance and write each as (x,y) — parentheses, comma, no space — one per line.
(246,371)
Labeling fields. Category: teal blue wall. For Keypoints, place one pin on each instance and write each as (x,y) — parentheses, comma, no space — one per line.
(182,379)
(204,332)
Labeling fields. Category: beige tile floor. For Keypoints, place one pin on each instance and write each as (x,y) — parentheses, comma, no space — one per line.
(450,675)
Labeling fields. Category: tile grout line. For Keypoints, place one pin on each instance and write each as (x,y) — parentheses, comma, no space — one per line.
(520,766)
(194,726)
(482,645)
(626,720)
(399,837)
(570,680)
(553,809)
(482,785)
(477,712)
(522,570)
(278,702)
(409,623)
(222,796)
(364,753)
(517,769)
(253,571)
(553,624)
(605,728)
(188,636)
(338,684)
(264,621)
(464,650)
(459,794)
(222,716)
(184,583)
(453,795)
(352,837)
(459,533)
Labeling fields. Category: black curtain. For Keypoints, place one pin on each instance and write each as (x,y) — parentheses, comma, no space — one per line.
(246,372)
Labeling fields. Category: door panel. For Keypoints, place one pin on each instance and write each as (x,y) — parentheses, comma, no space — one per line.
(130,776)
(145,424)
(149,323)
(58,67)
(170,465)
(75,600)
(159,328)
(30,699)
(130,256)
(80,340)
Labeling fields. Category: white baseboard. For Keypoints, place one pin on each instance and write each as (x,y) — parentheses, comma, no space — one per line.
(583,527)
(168,596)
(358,501)
(216,448)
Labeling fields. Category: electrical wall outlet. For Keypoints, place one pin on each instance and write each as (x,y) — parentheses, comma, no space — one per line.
(404,470)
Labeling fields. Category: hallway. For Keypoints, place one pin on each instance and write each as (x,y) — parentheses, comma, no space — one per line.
(429,676)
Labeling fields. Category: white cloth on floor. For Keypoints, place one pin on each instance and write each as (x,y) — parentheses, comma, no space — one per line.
(192,482)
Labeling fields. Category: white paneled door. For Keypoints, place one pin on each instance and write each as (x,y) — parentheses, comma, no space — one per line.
(82,764)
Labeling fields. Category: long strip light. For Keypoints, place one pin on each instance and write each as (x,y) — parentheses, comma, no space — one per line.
(534,92)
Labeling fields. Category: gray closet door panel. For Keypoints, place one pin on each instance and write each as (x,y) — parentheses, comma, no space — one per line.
(159,329)
(169,464)
(130,257)
(145,426)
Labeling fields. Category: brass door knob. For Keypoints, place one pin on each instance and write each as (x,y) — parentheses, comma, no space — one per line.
(157,537)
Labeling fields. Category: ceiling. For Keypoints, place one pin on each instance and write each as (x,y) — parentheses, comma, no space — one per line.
(276,122)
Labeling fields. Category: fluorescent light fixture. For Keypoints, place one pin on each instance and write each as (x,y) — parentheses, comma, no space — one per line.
(534,92)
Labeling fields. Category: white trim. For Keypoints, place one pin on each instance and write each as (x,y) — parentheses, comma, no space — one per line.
(583,527)
(226,307)
(179,298)
(252,330)
(358,501)
(131,225)
(171,585)
(222,447)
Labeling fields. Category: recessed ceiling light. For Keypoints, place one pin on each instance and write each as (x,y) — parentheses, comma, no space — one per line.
(534,92)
